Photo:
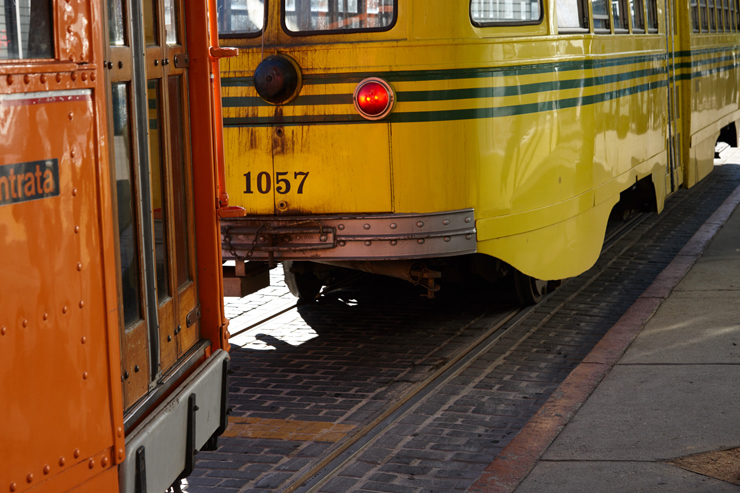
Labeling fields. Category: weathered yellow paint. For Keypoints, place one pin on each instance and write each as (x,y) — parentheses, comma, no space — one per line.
(542,180)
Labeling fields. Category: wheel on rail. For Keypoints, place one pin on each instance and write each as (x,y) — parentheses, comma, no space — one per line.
(529,290)
(302,283)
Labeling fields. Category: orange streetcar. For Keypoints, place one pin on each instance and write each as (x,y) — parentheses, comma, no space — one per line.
(113,339)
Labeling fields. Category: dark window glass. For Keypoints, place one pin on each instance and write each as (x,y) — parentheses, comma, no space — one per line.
(711,16)
(150,23)
(240,16)
(128,231)
(159,198)
(621,16)
(638,17)
(695,16)
(338,15)
(652,13)
(179,180)
(26,28)
(601,15)
(703,11)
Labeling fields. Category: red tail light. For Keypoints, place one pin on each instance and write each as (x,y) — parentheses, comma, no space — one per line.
(374,98)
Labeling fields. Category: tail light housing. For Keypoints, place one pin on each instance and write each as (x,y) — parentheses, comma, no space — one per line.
(374,98)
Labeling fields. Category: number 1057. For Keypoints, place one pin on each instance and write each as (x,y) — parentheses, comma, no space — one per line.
(283,183)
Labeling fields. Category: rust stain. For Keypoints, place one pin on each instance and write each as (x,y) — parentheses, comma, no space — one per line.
(283,429)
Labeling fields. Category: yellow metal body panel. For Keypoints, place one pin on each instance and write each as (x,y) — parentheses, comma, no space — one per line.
(539,133)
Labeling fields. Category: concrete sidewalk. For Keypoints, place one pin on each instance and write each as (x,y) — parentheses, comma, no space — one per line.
(672,397)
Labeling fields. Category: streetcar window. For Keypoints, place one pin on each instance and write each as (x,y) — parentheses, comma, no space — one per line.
(492,12)
(572,16)
(731,19)
(601,16)
(341,16)
(695,17)
(703,11)
(726,8)
(621,16)
(240,17)
(26,29)
(711,16)
(652,11)
(638,16)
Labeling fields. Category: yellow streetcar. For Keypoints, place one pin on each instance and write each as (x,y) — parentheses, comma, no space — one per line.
(403,137)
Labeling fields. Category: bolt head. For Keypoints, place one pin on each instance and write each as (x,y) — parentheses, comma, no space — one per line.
(420,224)
(366,226)
(394,225)
(368,243)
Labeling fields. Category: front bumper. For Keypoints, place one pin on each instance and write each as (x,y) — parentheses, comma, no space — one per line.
(359,237)
(161,449)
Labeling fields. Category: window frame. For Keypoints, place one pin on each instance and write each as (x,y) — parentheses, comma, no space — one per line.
(505,23)
(298,34)
(245,34)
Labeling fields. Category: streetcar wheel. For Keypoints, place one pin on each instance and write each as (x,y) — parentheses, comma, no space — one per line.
(302,283)
(529,290)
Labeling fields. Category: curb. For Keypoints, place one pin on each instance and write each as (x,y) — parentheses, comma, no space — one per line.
(520,456)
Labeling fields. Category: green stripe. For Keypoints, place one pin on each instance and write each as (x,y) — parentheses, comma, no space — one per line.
(449,115)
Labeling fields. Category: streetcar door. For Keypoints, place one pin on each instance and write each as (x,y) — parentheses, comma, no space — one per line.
(151,188)
(674,176)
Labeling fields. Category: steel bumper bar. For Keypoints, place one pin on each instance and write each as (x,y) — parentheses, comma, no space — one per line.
(350,237)
(162,448)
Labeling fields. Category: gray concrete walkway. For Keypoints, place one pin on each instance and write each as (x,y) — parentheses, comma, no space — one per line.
(674,393)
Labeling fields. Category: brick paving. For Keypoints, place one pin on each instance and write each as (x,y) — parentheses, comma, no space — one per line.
(347,358)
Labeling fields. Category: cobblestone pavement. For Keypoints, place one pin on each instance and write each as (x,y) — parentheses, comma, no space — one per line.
(311,377)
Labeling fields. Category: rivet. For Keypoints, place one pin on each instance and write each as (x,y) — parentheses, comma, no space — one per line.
(73,75)
(120,453)
(61,461)
(43,79)
(3,330)
(46,316)
(58,78)
(84,376)
(74,192)
(366,226)
(262,238)
(82,303)
(47,469)
(227,335)
(64,309)
(340,227)
(92,76)
(119,432)
(12,486)
(467,237)
(420,241)
(394,243)
(10,80)
(77,453)
(69,29)
(104,462)
(341,243)
(26,78)
(91,463)
(71,115)
(394,225)
(322,238)
(79,266)
(136,369)
(25,323)
(447,238)
(368,243)
(420,224)
(77,229)
(84,75)
(29,478)
(83,340)
(446,222)
(72,153)
(467,219)
(169,338)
